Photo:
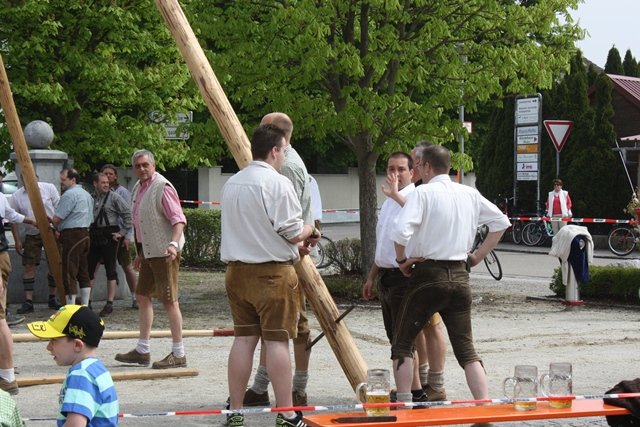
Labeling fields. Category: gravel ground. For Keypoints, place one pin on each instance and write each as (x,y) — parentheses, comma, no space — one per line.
(510,328)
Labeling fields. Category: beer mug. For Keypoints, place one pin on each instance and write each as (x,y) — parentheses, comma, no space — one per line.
(376,390)
(523,384)
(558,382)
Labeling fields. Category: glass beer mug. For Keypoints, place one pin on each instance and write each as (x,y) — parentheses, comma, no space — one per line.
(523,384)
(558,382)
(376,390)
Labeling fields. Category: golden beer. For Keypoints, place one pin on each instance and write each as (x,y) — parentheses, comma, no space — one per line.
(525,406)
(377,397)
(560,403)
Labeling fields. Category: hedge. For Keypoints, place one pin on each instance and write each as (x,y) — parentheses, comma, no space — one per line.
(202,238)
(609,283)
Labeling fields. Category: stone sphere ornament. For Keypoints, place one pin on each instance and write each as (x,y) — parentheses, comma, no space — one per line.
(38,134)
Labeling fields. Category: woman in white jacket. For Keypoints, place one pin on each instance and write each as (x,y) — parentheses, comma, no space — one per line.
(558,205)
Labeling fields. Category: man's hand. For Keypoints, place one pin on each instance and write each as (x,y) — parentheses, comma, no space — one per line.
(392,185)
(19,246)
(304,249)
(116,236)
(367,290)
(137,263)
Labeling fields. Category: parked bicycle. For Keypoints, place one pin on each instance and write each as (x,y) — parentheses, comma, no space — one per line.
(505,205)
(491,260)
(319,256)
(536,233)
(623,240)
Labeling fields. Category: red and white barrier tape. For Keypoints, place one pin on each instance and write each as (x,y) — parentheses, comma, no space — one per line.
(584,220)
(361,406)
(202,202)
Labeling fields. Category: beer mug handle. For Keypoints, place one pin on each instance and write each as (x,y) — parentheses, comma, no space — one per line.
(509,383)
(360,395)
(543,388)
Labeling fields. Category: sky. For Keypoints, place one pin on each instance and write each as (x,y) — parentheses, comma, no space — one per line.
(609,22)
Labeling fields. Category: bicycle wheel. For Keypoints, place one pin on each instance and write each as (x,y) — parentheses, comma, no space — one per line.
(532,234)
(621,241)
(320,257)
(516,232)
(493,265)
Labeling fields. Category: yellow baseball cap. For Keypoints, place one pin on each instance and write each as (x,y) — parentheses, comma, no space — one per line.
(75,321)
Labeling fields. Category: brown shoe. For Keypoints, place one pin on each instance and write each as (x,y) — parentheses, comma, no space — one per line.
(107,309)
(170,361)
(251,398)
(299,398)
(134,357)
(9,387)
(435,395)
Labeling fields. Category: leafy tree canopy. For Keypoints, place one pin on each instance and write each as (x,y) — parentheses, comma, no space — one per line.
(614,62)
(95,71)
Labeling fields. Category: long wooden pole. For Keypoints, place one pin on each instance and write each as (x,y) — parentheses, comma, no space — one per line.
(147,374)
(120,335)
(30,181)
(324,307)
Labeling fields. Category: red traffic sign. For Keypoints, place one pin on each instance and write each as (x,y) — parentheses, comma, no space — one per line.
(559,131)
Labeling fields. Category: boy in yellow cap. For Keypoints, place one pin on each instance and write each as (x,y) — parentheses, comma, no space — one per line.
(88,396)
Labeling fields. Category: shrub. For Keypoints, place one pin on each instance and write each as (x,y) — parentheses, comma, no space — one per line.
(614,283)
(345,255)
(202,238)
(348,287)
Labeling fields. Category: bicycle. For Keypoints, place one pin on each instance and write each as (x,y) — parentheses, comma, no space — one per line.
(516,227)
(623,240)
(319,255)
(536,233)
(491,261)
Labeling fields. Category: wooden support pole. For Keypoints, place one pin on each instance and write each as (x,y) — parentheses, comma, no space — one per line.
(324,307)
(119,335)
(30,181)
(147,374)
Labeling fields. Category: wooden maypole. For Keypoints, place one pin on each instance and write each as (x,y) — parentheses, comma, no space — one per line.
(324,307)
(30,181)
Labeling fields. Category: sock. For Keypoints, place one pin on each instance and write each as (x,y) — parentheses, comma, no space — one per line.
(261,380)
(143,346)
(29,283)
(436,380)
(8,375)
(178,349)
(424,370)
(85,294)
(71,298)
(300,379)
(405,397)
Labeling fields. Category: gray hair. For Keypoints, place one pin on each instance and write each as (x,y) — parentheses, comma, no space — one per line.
(141,153)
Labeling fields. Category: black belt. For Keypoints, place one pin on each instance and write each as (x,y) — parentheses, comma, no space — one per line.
(441,262)
(383,270)
(76,228)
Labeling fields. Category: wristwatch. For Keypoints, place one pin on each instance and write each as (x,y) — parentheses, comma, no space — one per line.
(174,244)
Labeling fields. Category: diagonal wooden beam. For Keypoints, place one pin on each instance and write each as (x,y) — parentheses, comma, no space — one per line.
(324,307)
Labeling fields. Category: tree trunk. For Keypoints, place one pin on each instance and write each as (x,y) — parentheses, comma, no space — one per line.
(367,159)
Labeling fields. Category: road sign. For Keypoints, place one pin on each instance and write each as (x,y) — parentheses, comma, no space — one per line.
(527,111)
(527,176)
(559,131)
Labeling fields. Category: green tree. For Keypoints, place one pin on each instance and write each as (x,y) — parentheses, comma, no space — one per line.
(379,75)
(598,188)
(614,62)
(630,65)
(95,71)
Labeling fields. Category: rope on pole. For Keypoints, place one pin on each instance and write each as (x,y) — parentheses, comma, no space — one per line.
(362,406)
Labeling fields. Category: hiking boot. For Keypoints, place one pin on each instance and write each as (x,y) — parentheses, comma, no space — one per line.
(134,304)
(281,421)
(418,399)
(107,309)
(235,420)
(299,398)
(54,303)
(251,398)
(170,361)
(134,357)
(435,395)
(13,320)
(9,387)
(26,307)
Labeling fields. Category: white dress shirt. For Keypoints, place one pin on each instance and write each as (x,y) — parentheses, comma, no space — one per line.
(440,218)
(260,212)
(20,203)
(385,250)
